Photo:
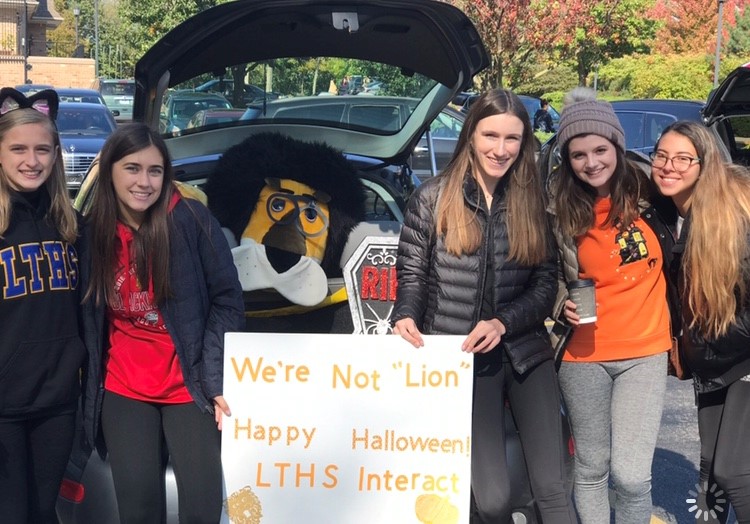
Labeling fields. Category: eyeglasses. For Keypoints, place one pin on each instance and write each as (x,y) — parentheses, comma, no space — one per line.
(680,163)
(301,210)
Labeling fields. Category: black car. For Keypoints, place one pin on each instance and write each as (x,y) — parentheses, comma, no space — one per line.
(643,120)
(299,41)
(83,128)
(727,114)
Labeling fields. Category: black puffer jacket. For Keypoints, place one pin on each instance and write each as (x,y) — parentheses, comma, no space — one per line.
(715,363)
(443,293)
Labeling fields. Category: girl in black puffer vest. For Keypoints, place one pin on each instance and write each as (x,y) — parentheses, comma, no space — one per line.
(476,258)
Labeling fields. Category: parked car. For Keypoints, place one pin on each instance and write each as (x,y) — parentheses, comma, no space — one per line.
(431,154)
(643,120)
(75,94)
(83,129)
(225,86)
(435,148)
(30,89)
(255,34)
(531,103)
(118,94)
(179,106)
(727,114)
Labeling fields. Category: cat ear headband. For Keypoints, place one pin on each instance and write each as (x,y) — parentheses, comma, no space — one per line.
(45,101)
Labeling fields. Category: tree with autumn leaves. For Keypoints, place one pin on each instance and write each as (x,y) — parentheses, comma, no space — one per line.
(585,34)
(524,38)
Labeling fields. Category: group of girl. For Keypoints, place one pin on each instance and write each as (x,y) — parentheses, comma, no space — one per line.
(486,251)
(136,299)
(669,255)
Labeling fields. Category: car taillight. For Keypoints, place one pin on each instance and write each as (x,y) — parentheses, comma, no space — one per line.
(72,491)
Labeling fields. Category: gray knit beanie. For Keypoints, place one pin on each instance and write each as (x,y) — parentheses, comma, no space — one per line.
(584,115)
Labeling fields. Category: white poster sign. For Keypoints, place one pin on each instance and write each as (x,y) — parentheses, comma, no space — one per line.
(340,429)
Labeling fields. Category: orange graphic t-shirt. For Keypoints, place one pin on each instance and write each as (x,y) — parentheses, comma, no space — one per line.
(631,293)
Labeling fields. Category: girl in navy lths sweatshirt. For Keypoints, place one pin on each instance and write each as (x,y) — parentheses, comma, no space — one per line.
(41,352)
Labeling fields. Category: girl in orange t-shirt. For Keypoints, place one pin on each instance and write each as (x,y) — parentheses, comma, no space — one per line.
(613,371)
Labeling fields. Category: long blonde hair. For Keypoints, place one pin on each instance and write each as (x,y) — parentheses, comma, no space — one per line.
(61,213)
(717,250)
(526,217)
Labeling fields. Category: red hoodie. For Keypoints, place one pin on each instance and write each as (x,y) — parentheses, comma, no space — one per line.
(142,363)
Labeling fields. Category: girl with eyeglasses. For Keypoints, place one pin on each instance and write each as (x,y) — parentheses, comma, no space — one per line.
(41,351)
(712,261)
(613,371)
(160,293)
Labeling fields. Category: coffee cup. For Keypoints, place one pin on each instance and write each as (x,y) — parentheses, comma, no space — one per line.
(583,294)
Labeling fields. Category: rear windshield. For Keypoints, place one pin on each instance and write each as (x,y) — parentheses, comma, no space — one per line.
(118,88)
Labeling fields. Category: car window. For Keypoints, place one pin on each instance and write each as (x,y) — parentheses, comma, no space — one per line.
(385,117)
(446,126)
(655,124)
(632,124)
(117,88)
(326,112)
(739,129)
(337,93)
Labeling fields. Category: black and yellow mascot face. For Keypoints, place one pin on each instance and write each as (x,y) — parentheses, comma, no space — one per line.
(291,206)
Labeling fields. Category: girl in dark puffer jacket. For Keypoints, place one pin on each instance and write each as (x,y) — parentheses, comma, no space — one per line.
(476,258)
(713,265)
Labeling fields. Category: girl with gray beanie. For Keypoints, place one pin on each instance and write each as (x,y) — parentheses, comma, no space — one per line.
(613,370)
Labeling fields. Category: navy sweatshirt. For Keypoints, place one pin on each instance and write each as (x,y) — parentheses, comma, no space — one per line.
(41,351)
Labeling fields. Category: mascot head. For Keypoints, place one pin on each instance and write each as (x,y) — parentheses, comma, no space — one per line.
(291,206)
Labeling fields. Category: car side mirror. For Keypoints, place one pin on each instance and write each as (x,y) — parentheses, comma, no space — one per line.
(115,112)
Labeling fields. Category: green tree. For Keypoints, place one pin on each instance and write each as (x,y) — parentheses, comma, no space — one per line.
(739,36)
(146,21)
(590,33)
(505,27)
(659,76)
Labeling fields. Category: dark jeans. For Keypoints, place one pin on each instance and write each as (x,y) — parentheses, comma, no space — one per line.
(724,426)
(535,402)
(33,454)
(134,432)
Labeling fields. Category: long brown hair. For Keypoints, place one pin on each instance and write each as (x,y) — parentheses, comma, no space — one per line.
(151,240)
(61,213)
(717,243)
(526,218)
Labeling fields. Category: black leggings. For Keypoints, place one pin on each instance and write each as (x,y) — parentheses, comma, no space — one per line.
(724,426)
(134,431)
(33,456)
(535,402)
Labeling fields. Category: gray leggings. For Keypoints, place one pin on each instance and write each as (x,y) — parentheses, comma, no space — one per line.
(615,413)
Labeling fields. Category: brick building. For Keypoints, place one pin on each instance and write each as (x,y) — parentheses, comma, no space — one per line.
(24,48)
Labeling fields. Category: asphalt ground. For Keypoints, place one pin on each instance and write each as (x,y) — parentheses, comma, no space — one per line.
(676,460)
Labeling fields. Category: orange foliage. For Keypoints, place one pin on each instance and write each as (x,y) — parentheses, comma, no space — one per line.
(690,25)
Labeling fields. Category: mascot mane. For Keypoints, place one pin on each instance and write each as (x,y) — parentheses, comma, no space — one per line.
(233,188)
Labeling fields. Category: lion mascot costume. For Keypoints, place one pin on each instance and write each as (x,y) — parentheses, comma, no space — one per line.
(290,206)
